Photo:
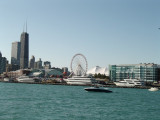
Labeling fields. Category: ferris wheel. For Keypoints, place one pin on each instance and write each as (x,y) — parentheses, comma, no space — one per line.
(79,65)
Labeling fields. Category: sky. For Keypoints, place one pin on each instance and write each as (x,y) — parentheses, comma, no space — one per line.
(104,31)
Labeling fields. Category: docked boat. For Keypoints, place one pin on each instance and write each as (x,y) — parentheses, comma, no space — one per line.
(7,79)
(153,89)
(98,89)
(26,79)
(80,80)
(129,83)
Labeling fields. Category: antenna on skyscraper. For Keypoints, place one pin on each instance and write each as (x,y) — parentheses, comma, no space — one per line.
(23,27)
(26,25)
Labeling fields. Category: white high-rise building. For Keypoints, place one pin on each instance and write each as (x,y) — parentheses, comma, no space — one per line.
(15,53)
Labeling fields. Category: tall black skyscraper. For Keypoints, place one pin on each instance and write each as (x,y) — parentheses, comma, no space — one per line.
(3,62)
(24,57)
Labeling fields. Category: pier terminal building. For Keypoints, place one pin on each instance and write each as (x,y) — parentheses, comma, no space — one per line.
(146,72)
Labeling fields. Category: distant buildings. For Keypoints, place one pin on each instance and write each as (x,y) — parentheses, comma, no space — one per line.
(20,57)
(12,67)
(3,63)
(65,69)
(0,58)
(20,52)
(147,72)
(47,65)
(38,64)
(24,56)
(15,53)
(32,62)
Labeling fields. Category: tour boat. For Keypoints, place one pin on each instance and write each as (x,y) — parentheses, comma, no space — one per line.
(26,79)
(129,83)
(80,80)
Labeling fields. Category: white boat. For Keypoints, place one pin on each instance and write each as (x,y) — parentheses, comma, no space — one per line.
(37,73)
(129,83)
(26,79)
(80,80)
(7,79)
(153,89)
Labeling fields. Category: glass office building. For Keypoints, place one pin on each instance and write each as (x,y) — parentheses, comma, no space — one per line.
(24,55)
(15,53)
(146,72)
(3,62)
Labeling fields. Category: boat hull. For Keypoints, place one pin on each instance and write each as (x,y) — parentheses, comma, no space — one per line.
(25,79)
(124,85)
(80,81)
(7,79)
(92,89)
(129,83)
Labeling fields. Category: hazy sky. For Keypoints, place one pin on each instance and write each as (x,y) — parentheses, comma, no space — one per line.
(105,31)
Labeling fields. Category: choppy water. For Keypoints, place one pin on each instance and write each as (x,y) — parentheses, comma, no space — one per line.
(56,102)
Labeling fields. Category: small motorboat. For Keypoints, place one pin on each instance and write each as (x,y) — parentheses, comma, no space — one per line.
(98,89)
(153,89)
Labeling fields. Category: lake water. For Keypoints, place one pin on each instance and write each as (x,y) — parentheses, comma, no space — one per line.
(58,102)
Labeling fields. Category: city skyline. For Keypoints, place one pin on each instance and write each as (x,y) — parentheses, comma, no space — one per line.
(106,32)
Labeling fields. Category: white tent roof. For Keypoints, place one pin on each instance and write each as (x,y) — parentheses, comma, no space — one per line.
(97,69)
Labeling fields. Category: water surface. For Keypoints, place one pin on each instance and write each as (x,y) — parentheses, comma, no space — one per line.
(58,102)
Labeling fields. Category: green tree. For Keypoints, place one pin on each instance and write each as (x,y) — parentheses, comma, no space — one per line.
(95,75)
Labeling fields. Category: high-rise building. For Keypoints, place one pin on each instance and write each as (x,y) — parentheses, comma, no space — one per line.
(3,62)
(11,67)
(47,65)
(32,62)
(24,56)
(0,62)
(0,57)
(15,53)
(65,69)
(38,64)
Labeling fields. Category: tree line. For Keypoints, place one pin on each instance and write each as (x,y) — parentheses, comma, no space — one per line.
(101,76)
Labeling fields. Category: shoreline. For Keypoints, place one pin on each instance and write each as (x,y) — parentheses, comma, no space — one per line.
(110,86)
